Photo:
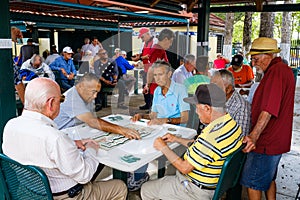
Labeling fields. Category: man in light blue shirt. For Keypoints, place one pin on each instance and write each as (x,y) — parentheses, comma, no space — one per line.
(184,71)
(64,64)
(168,105)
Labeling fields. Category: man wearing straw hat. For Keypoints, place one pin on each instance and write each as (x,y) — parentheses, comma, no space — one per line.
(272,120)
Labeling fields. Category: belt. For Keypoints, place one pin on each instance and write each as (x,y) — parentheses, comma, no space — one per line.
(73,191)
(203,187)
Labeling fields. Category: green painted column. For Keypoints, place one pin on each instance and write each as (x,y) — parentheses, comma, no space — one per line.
(7,91)
(203,27)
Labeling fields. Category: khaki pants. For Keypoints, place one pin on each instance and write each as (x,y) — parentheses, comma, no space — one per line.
(171,187)
(112,189)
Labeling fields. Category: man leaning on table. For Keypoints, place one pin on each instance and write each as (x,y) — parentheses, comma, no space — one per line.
(78,108)
(33,139)
(168,105)
(198,172)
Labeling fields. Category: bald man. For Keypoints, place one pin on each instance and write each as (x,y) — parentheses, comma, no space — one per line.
(33,139)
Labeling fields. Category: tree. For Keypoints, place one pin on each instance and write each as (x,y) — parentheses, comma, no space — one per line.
(286,33)
(266,24)
(247,31)
(227,48)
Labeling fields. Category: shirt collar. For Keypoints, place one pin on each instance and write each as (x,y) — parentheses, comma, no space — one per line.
(38,116)
(170,90)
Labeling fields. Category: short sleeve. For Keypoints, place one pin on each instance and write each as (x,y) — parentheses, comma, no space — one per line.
(183,106)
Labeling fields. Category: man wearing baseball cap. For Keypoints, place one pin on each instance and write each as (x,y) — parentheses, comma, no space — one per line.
(64,64)
(272,120)
(198,172)
(243,74)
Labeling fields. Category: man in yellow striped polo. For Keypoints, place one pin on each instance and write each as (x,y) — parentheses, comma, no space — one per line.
(198,172)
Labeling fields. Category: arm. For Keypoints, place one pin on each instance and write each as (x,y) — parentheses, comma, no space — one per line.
(55,66)
(178,120)
(261,124)
(106,126)
(181,165)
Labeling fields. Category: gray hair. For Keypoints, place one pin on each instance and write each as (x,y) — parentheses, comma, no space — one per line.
(189,58)
(227,76)
(219,109)
(37,93)
(162,63)
(88,77)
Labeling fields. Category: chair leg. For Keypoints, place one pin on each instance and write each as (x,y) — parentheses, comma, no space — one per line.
(297,195)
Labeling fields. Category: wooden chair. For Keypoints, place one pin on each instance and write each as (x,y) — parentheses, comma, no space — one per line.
(23,181)
(231,172)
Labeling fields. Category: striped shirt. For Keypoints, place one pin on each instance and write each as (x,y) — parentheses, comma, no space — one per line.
(209,151)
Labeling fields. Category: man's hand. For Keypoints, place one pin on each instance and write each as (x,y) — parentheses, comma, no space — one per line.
(146,89)
(64,72)
(145,57)
(92,144)
(136,117)
(80,144)
(130,133)
(250,141)
(159,144)
(156,121)
(169,138)
(71,76)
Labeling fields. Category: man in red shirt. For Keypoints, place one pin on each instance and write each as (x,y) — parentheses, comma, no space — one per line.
(158,52)
(272,120)
(220,62)
(148,42)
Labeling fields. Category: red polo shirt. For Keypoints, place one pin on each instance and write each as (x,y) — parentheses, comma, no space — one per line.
(275,95)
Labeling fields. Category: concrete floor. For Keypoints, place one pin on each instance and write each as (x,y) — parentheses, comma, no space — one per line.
(289,167)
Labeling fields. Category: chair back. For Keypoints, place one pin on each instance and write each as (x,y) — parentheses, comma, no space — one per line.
(24,181)
(230,173)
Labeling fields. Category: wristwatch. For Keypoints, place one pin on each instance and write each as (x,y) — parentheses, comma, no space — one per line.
(169,120)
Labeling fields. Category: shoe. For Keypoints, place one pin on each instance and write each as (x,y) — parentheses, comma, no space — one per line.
(122,107)
(98,107)
(144,107)
(134,185)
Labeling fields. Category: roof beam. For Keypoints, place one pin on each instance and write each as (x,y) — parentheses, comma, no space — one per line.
(266,8)
(106,10)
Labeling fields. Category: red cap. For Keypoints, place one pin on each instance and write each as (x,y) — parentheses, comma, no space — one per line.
(142,31)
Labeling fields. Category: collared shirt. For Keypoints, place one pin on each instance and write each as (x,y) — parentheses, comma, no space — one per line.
(240,110)
(123,64)
(73,106)
(68,66)
(243,76)
(33,139)
(41,71)
(275,95)
(171,104)
(209,151)
(107,70)
(180,74)
(51,58)
(84,48)
(93,49)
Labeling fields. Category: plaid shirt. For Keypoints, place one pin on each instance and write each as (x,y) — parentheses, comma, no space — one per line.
(240,110)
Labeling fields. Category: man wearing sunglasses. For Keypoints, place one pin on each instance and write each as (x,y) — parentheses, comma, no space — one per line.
(33,139)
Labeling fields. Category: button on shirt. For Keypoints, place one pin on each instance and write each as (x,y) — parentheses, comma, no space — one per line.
(172,104)
(33,139)
(180,74)
(68,65)
(70,108)
(106,70)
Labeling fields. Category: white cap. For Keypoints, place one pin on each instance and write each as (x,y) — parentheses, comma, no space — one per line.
(117,50)
(67,50)
(123,53)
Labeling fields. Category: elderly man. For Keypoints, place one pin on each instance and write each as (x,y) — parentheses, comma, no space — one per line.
(33,139)
(238,108)
(272,120)
(198,172)
(107,71)
(148,42)
(185,70)
(37,66)
(168,105)
(78,109)
(64,64)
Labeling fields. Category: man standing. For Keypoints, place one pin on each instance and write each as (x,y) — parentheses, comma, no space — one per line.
(148,42)
(95,46)
(272,120)
(220,62)
(33,139)
(64,64)
(184,71)
(26,52)
(199,170)
(53,55)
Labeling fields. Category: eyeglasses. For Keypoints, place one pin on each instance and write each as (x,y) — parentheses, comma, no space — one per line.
(103,53)
(61,98)
(255,59)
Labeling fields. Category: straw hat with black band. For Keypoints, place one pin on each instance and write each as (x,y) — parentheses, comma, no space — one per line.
(263,45)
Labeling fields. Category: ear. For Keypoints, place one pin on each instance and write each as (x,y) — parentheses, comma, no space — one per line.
(228,89)
(169,74)
(50,104)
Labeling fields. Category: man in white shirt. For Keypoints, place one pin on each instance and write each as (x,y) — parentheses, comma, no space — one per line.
(95,46)
(33,139)
(184,71)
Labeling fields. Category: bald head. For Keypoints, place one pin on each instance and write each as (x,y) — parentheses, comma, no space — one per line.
(38,92)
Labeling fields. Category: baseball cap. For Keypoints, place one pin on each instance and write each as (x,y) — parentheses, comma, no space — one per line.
(209,94)
(67,50)
(142,31)
(237,60)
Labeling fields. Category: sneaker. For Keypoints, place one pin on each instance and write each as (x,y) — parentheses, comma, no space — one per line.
(136,185)
(144,107)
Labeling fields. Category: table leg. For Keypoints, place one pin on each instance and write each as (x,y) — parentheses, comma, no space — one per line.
(117,174)
(161,166)
(136,85)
